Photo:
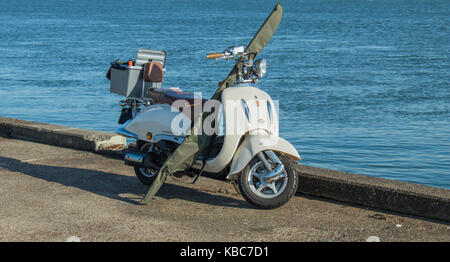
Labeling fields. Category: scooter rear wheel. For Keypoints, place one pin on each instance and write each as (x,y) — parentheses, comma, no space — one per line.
(145,175)
(268,195)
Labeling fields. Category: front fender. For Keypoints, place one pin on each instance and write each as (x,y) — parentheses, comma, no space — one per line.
(253,144)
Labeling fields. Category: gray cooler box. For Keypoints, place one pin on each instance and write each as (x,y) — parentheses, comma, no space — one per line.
(128,81)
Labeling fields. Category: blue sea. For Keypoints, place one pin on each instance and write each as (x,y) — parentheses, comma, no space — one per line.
(363,85)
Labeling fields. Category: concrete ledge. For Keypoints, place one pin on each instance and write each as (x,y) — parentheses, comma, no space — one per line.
(76,138)
(407,198)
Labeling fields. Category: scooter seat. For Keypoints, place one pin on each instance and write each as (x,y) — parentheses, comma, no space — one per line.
(169,96)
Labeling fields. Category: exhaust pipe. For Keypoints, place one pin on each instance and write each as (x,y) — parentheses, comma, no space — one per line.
(133,158)
(139,159)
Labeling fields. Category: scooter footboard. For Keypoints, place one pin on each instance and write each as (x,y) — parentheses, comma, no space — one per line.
(253,144)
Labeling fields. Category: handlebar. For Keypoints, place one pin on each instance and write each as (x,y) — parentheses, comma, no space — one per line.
(232,52)
(214,55)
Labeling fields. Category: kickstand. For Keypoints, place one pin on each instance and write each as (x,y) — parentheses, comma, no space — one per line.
(199,173)
(195,178)
(209,148)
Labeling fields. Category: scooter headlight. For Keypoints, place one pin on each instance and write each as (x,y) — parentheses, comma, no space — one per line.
(260,67)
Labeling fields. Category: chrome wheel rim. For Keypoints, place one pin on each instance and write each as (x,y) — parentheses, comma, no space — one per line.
(260,187)
(147,172)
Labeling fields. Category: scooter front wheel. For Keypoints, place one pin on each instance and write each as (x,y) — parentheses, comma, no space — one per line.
(266,192)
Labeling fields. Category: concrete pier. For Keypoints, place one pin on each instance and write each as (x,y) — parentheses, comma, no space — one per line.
(406,198)
(79,187)
(57,135)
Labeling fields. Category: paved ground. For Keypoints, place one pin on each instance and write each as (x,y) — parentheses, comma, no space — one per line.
(50,193)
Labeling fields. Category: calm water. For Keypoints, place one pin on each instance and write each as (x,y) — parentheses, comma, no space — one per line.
(364,86)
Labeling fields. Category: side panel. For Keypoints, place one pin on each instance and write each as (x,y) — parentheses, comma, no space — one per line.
(253,144)
(158,120)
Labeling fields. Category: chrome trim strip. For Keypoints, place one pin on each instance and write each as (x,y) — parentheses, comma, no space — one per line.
(176,139)
(246,109)
(269,109)
(121,131)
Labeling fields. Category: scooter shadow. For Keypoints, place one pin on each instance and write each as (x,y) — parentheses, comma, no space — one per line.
(113,185)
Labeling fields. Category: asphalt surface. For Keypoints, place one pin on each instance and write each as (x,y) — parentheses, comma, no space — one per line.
(50,193)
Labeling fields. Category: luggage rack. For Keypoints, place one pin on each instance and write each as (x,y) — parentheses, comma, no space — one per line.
(132,79)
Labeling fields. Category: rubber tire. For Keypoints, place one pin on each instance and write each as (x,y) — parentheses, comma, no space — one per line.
(283,198)
(148,181)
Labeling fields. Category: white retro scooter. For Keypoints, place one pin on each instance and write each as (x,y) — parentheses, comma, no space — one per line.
(249,153)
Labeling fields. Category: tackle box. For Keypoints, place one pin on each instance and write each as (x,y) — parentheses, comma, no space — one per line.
(128,80)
